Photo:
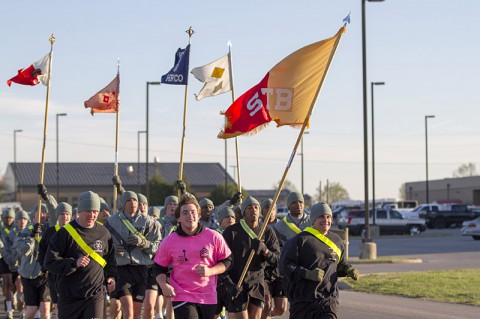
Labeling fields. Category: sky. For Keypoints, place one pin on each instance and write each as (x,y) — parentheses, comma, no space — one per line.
(426,52)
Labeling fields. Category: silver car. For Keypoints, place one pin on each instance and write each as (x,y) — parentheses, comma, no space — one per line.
(471,228)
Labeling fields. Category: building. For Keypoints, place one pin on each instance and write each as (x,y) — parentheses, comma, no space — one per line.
(21,179)
(464,190)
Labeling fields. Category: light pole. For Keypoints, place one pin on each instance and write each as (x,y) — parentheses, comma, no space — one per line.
(138,159)
(426,154)
(373,152)
(367,251)
(57,166)
(147,188)
(15,155)
(303,193)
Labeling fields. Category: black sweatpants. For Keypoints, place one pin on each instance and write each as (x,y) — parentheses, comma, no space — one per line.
(81,309)
(313,311)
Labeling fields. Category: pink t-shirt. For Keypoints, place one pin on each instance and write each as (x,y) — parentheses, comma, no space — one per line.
(183,254)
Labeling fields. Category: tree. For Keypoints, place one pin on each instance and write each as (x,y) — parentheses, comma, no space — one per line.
(336,192)
(160,189)
(286,185)
(466,170)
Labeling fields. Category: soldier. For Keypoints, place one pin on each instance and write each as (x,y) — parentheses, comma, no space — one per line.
(295,221)
(8,225)
(136,237)
(34,280)
(249,300)
(82,253)
(168,221)
(311,262)
(206,218)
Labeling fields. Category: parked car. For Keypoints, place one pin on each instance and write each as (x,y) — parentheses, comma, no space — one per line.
(282,211)
(449,215)
(336,213)
(389,222)
(472,228)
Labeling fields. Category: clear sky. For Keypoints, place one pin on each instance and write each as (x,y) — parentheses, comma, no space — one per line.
(426,51)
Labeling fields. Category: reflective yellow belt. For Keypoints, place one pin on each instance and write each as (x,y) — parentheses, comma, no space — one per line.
(7,230)
(80,242)
(292,226)
(247,229)
(37,238)
(324,240)
(130,227)
(57,227)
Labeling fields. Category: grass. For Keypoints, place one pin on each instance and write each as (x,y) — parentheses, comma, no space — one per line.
(455,286)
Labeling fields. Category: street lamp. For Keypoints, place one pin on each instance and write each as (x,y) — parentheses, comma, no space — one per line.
(147,188)
(373,153)
(426,154)
(57,166)
(138,162)
(15,155)
(368,248)
(303,193)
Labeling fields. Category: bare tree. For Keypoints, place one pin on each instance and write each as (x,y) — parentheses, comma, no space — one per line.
(466,170)
(286,185)
(402,193)
(336,192)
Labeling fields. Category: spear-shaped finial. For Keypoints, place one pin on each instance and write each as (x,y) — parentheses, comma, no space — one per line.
(51,39)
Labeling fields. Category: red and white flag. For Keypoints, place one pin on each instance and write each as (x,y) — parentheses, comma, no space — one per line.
(107,99)
(34,74)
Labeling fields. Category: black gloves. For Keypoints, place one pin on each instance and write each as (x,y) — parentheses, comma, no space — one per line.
(232,290)
(36,230)
(315,274)
(137,240)
(118,183)
(42,191)
(258,246)
(181,186)
(236,199)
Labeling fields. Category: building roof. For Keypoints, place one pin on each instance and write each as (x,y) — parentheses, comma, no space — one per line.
(100,174)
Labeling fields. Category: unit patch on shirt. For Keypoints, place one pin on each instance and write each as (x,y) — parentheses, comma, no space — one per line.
(204,253)
(98,246)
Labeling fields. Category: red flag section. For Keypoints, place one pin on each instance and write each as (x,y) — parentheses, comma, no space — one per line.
(107,99)
(34,74)
(286,94)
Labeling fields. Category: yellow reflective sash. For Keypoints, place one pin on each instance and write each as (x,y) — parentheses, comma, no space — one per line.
(292,226)
(130,227)
(7,230)
(37,238)
(57,227)
(80,242)
(247,229)
(324,240)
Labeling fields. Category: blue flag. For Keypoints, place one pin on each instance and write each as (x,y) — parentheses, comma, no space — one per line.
(179,73)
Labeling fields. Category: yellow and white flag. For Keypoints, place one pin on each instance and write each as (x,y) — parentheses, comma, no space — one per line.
(216,77)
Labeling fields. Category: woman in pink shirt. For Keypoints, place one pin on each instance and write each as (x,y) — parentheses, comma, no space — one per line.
(196,255)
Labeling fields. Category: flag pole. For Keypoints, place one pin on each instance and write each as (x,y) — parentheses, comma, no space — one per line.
(230,70)
(190,32)
(42,167)
(115,168)
(292,156)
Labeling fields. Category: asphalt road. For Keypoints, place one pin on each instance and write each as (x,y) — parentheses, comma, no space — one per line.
(438,250)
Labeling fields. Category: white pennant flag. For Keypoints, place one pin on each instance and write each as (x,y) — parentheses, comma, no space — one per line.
(216,77)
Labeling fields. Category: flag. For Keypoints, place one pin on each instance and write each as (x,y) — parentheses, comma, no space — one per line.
(285,94)
(179,73)
(106,100)
(216,77)
(34,74)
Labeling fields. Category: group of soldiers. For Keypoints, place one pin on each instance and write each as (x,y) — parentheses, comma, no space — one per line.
(190,260)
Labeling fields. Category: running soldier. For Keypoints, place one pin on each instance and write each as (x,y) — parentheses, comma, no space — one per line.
(81,254)
(135,237)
